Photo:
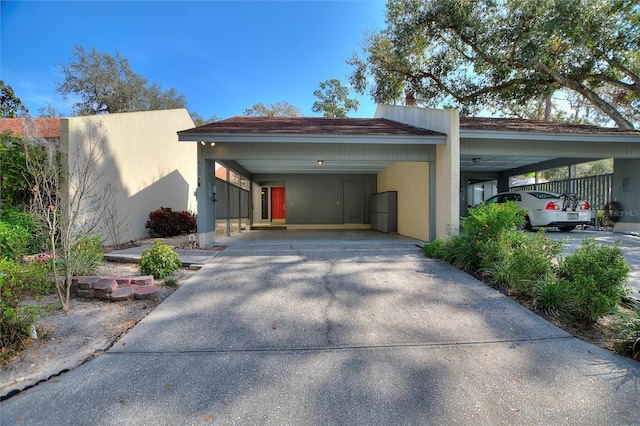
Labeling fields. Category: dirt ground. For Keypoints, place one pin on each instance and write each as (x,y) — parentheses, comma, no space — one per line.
(90,328)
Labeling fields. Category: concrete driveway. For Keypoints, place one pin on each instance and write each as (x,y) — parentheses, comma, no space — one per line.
(358,330)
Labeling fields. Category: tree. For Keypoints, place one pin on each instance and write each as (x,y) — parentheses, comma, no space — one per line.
(279,109)
(474,54)
(69,198)
(334,101)
(10,105)
(199,121)
(107,84)
(49,111)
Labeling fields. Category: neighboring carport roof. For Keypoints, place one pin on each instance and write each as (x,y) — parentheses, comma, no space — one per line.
(310,126)
(519,146)
(537,126)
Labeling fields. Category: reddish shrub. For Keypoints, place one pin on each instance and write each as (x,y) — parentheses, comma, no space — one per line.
(164,222)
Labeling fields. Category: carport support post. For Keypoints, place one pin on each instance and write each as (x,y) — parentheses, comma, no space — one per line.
(448,174)
(447,164)
(228,213)
(573,172)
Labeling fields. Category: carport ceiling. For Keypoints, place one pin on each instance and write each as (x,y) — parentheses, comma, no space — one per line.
(498,163)
(312,167)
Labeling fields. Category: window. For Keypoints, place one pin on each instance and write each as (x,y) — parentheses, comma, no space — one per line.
(235,178)
(221,171)
(512,197)
(544,195)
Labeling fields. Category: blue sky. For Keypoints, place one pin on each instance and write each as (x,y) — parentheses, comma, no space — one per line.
(223,56)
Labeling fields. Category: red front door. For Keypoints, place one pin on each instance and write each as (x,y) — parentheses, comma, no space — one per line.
(278,203)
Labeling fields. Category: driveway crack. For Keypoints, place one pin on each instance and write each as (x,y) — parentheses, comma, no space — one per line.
(327,308)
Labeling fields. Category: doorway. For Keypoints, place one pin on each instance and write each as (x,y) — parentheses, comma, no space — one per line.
(278,203)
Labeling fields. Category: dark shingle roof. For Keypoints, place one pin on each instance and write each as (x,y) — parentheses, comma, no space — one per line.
(312,126)
(520,125)
(46,127)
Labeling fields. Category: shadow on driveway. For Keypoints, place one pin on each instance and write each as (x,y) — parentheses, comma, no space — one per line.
(339,334)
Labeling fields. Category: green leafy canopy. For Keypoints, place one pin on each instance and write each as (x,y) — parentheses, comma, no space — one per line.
(106,84)
(501,54)
(334,99)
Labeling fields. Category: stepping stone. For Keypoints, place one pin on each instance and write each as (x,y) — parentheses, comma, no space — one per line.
(74,280)
(106,285)
(86,293)
(104,288)
(146,291)
(102,295)
(87,283)
(122,293)
(124,281)
(143,280)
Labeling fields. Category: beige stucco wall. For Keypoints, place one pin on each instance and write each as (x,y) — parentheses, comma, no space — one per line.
(144,162)
(447,165)
(411,180)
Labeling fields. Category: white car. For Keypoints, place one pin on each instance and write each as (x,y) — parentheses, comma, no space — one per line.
(546,209)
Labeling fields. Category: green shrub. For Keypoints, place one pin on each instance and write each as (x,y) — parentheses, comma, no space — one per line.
(531,262)
(160,260)
(462,252)
(164,222)
(552,296)
(490,220)
(86,256)
(18,281)
(628,330)
(171,282)
(518,260)
(596,276)
(499,249)
(434,249)
(604,221)
(17,235)
(14,241)
(15,176)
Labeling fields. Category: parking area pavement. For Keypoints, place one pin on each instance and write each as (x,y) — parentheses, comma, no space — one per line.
(330,332)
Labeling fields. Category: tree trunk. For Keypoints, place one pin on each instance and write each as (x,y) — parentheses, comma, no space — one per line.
(590,95)
(547,108)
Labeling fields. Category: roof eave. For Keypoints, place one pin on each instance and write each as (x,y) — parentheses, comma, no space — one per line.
(551,136)
(312,138)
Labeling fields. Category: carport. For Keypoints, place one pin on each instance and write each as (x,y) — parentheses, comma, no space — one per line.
(492,150)
(320,173)
(314,173)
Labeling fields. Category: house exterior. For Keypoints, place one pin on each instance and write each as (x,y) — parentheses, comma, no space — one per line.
(143,162)
(320,173)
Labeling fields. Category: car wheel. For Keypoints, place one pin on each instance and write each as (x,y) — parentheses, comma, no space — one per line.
(527,224)
(566,228)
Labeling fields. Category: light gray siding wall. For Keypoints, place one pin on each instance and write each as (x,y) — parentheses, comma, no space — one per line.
(318,199)
(626,188)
